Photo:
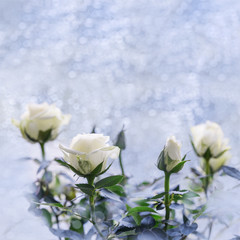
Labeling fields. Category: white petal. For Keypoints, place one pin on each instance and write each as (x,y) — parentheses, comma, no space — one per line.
(69,150)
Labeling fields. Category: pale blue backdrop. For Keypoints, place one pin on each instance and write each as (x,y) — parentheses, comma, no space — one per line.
(158,67)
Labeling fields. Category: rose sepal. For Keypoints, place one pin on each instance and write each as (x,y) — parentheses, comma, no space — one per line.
(221,153)
(94,173)
(194,148)
(179,166)
(161,162)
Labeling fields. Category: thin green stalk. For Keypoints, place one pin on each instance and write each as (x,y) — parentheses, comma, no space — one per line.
(57,220)
(93,215)
(42,145)
(166,199)
(92,208)
(207,178)
(45,170)
(120,162)
(43,151)
(210,229)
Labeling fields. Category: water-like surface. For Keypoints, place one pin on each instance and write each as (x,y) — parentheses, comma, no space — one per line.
(158,67)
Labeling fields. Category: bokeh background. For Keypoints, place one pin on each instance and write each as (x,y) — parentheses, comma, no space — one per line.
(156,67)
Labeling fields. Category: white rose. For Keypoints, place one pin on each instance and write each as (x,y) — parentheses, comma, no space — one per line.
(40,118)
(87,151)
(172,154)
(209,135)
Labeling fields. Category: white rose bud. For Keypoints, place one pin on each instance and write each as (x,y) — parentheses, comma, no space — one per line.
(209,136)
(170,157)
(87,151)
(172,153)
(41,122)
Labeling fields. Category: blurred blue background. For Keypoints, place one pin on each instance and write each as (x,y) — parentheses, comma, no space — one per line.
(157,67)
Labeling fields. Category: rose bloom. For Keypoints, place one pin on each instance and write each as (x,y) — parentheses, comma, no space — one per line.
(41,122)
(87,151)
(209,135)
(172,154)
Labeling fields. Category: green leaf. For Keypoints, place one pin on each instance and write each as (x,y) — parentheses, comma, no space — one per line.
(190,194)
(117,189)
(140,209)
(142,202)
(47,215)
(135,216)
(109,181)
(86,188)
(178,167)
(187,201)
(127,233)
(59,205)
(157,218)
(198,212)
(160,195)
(184,196)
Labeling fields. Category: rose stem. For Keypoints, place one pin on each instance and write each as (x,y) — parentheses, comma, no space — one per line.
(166,199)
(92,207)
(43,151)
(120,162)
(43,159)
(57,220)
(207,170)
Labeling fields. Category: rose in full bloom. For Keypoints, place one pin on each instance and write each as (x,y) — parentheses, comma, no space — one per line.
(209,136)
(87,151)
(170,157)
(41,122)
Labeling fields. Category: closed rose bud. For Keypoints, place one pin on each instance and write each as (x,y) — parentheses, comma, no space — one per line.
(41,122)
(172,153)
(121,141)
(170,157)
(87,151)
(209,136)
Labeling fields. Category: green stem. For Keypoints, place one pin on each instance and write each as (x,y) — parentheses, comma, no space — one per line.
(43,151)
(207,177)
(166,199)
(93,216)
(120,162)
(92,208)
(210,229)
(57,220)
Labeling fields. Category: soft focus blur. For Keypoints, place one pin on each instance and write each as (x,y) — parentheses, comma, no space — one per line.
(156,67)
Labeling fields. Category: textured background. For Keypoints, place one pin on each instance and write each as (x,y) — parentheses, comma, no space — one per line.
(158,67)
